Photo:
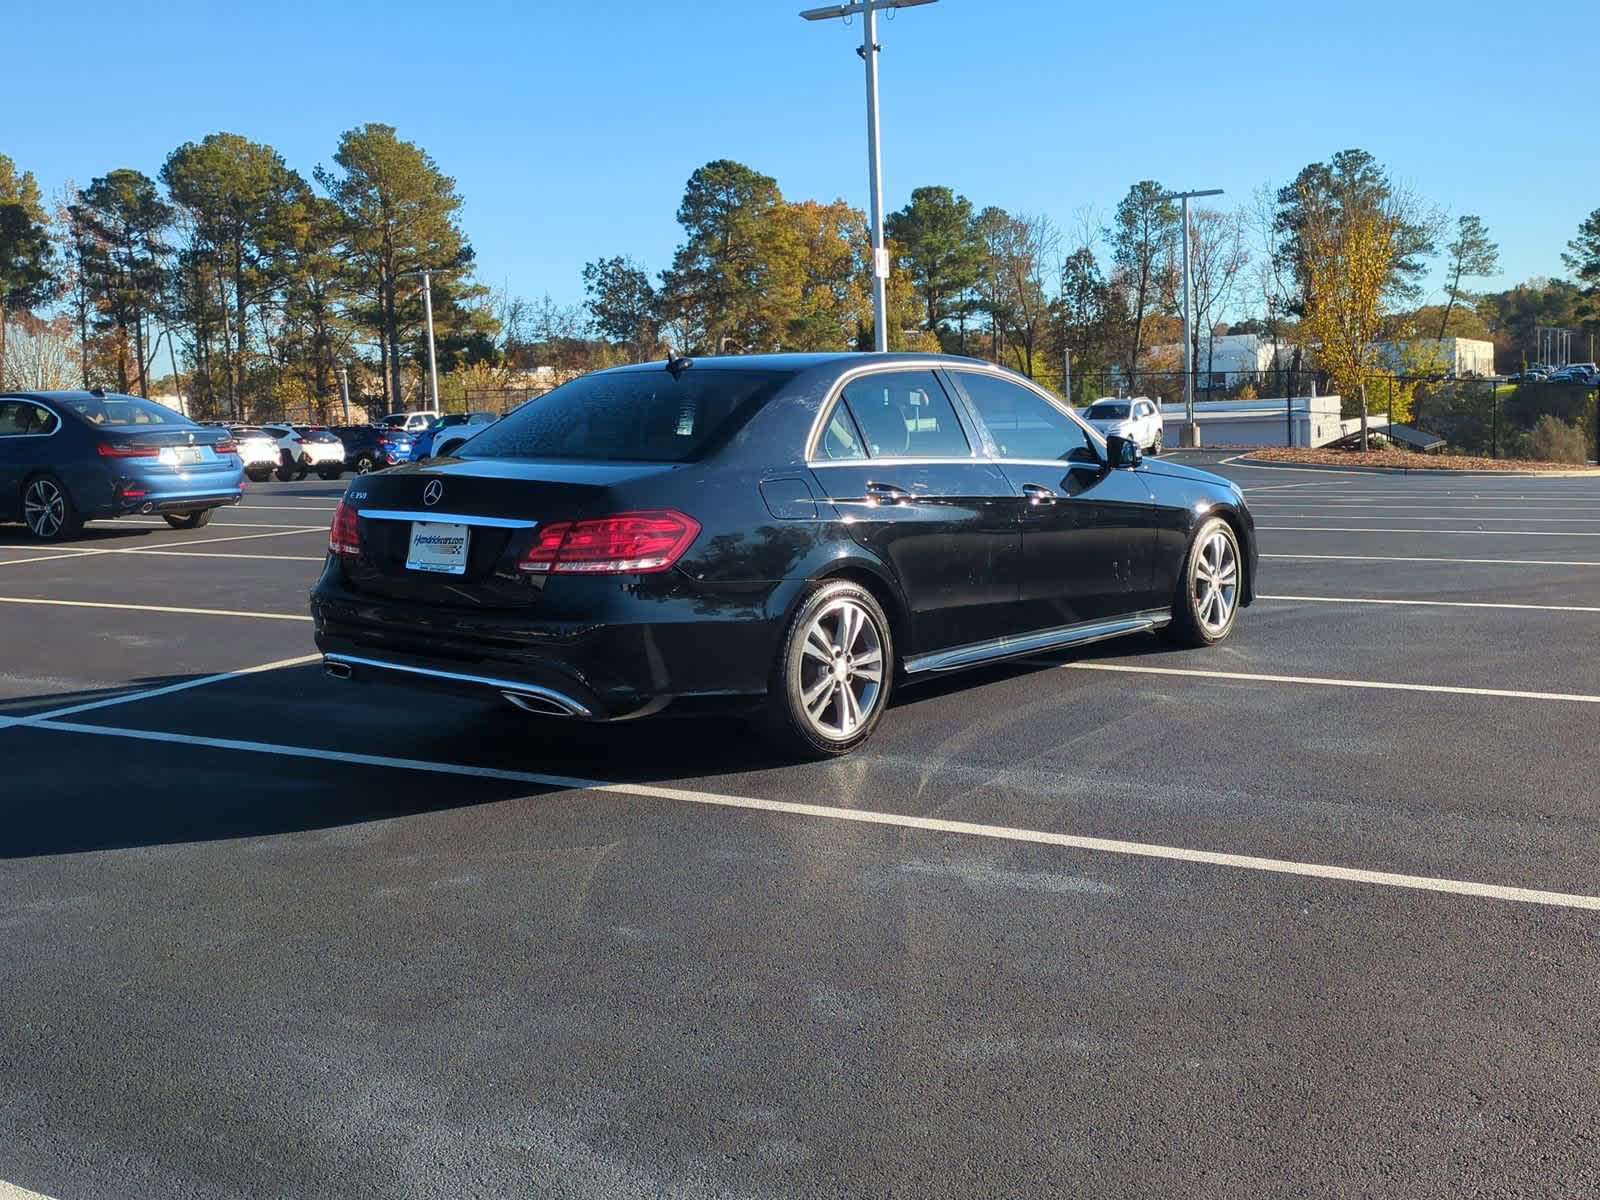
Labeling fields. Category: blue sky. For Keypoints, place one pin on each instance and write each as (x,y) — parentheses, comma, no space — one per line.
(571,128)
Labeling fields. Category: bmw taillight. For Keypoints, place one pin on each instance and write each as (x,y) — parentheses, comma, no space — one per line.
(621,544)
(119,450)
(344,538)
(226,448)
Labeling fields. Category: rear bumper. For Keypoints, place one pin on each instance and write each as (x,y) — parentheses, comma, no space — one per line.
(627,656)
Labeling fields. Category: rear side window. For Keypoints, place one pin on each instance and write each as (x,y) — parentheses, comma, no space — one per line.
(126,412)
(21,418)
(905,414)
(631,416)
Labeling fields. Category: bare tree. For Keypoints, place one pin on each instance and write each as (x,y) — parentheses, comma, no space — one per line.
(1217,257)
(1022,252)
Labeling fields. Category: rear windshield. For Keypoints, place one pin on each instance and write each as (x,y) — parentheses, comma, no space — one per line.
(1103,411)
(633,416)
(125,412)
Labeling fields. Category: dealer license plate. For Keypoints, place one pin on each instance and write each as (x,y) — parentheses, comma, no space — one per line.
(437,547)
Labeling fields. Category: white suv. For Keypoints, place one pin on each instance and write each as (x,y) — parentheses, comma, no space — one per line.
(412,422)
(306,448)
(1138,419)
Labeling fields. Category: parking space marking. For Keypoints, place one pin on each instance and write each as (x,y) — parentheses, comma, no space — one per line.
(242,537)
(1113,846)
(10,1191)
(1355,516)
(1477,532)
(164,690)
(43,557)
(141,523)
(1499,562)
(1379,685)
(158,608)
(1345,505)
(1570,608)
(88,552)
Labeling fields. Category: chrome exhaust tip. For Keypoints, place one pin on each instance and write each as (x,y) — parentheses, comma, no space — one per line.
(544,706)
(149,507)
(338,670)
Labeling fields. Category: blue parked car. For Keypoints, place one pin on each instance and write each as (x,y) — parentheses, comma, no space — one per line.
(449,432)
(71,457)
(369,448)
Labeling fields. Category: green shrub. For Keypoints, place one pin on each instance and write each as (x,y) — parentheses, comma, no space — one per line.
(1555,441)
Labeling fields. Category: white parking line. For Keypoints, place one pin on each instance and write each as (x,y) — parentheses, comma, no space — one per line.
(1499,562)
(10,1191)
(166,690)
(1477,532)
(1356,516)
(1571,608)
(1247,862)
(141,523)
(1319,681)
(88,552)
(1345,505)
(157,608)
(8,562)
(243,537)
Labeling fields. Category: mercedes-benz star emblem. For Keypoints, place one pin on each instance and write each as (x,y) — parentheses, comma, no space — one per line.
(433,493)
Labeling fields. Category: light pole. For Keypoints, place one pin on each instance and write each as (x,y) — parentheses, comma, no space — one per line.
(868,10)
(344,391)
(1191,431)
(427,308)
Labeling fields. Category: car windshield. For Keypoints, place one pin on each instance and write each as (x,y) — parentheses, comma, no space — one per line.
(125,412)
(636,416)
(1107,412)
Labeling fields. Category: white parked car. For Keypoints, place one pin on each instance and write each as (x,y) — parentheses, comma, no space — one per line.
(414,421)
(306,448)
(1137,418)
(258,449)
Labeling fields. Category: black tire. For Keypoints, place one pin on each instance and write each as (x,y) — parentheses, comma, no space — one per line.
(1195,620)
(330,473)
(48,511)
(259,474)
(1157,446)
(365,464)
(285,468)
(301,471)
(194,520)
(797,669)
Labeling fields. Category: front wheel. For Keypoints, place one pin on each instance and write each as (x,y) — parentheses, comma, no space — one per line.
(1209,587)
(194,520)
(49,511)
(286,468)
(330,472)
(259,474)
(365,464)
(1156,446)
(833,674)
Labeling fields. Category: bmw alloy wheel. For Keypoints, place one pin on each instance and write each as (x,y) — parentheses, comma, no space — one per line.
(44,507)
(1215,581)
(841,670)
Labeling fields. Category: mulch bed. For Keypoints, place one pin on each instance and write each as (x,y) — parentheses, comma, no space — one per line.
(1406,461)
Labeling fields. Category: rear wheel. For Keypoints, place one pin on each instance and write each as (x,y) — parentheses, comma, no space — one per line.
(259,474)
(330,472)
(834,671)
(1156,446)
(285,468)
(48,510)
(194,520)
(1209,587)
(365,464)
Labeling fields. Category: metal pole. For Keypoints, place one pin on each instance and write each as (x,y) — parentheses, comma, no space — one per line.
(1188,333)
(344,391)
(868,11)
(427,307)
(1066,376)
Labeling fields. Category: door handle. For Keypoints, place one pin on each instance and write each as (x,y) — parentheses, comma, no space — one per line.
(887,493)
(1038,495)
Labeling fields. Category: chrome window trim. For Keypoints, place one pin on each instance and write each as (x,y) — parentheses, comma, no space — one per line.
(836,389)
(443,518)
(35,404)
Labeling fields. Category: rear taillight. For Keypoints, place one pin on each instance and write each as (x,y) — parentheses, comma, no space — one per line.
(299,441)
(622,544)
(226,448)
(117,450)
(344,538)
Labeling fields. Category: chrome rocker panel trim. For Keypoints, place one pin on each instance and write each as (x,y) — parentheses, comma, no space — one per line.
(1062,636)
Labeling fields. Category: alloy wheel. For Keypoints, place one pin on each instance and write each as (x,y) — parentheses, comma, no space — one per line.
(841,670)
(44,508)
(1216,581)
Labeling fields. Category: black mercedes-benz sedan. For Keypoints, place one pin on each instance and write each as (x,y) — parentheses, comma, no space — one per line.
(790,536)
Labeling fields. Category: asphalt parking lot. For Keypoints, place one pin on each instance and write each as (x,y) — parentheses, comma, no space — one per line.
(1309,913)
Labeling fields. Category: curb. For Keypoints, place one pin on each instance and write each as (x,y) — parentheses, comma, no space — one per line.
(1273,465)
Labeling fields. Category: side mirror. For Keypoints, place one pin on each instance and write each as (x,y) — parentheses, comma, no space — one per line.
(1120,452)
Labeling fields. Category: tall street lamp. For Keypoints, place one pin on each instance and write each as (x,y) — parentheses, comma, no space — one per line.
(868,50)
(427,308)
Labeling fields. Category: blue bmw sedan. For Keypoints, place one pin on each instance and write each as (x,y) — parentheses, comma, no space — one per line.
(71,457)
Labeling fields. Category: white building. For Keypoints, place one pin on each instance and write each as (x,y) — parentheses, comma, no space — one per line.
(1428,356)
(1231,354)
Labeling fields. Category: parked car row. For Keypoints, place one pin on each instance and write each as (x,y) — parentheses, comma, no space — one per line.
(292,452)
(1586,374)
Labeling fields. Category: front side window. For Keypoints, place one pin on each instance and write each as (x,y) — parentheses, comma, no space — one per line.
(23,418)
(631,416)
(905,414)
(1025,425)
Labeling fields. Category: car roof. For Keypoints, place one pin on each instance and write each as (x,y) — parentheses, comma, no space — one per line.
(804,361)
